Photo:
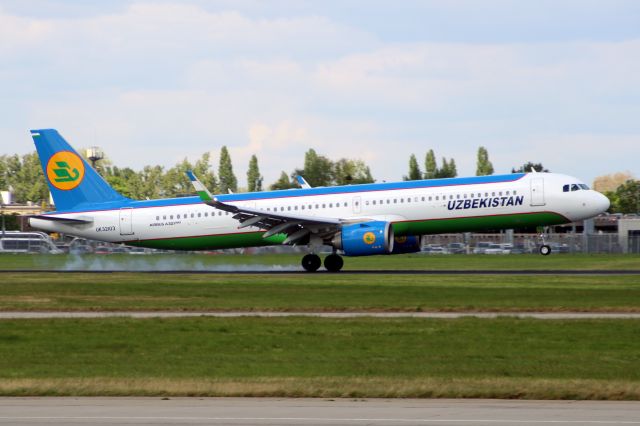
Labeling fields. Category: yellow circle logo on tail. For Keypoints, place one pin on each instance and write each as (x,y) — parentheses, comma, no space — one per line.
(369,238)
(65,170)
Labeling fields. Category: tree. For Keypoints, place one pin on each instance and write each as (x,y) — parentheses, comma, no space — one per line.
(27,179)
(347,172)
(254,179)
(484,166)
(283,182)
(628,197)
(126,181)
(526,168)
(414,169)
(228,180)
(151,178)
(430,165)
(175,181)
(205,174)
(611,182)
(317,171)
(448,169)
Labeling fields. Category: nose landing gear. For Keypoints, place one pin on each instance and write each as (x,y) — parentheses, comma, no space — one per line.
(545,249)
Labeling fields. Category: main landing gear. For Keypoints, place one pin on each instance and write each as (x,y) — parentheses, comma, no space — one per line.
(312,262)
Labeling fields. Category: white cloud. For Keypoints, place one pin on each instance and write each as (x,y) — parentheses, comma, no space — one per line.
(154,83)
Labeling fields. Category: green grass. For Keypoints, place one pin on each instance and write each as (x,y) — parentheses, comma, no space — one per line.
(318,292)
(405,262)
(322,357)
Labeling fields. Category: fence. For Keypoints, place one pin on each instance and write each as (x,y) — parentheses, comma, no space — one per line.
(529,243)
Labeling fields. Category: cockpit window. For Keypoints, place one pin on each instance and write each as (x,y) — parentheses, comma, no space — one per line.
(575,187)
(565,188)
(583,186)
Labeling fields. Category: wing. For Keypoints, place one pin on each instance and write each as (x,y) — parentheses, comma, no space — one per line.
(297,227)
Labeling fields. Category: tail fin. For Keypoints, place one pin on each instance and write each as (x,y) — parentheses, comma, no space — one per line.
(71,180)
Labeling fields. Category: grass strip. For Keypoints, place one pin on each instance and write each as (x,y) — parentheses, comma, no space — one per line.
(418,261)
(329,387)
(367,357)
(326,292)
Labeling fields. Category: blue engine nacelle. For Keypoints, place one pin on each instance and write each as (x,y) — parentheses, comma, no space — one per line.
(406,244)
(375,237)
(365,239)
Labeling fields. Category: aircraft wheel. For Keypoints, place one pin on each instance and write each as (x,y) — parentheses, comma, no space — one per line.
(545,250)
(311,262)
(333,263)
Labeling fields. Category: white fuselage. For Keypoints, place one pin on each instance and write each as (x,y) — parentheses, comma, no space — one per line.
(183,218)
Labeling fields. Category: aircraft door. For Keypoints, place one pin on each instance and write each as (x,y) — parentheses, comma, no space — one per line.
(537,192)
(357,208)
(126,223)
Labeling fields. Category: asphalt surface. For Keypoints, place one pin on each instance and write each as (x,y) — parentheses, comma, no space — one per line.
(320,412)
(236,314)
(286,271)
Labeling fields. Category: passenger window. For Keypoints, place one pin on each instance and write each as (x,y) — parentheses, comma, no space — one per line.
(458,196)
(374,202)
(199,214)
(171,217)
(157,217)
(437,198)
(330,205)
(423,198)
(565,188)
(206,214)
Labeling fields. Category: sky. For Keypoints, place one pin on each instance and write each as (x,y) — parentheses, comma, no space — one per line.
(556,82)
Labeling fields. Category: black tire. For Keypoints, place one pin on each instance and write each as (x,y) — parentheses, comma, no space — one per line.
(311,262)
(545,250)
(333,263)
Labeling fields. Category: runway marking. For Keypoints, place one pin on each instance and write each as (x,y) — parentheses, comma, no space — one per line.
(337,315)
(323,419)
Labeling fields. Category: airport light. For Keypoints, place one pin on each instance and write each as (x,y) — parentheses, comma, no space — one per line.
(94,154)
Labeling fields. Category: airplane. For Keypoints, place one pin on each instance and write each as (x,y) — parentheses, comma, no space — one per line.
(354,220)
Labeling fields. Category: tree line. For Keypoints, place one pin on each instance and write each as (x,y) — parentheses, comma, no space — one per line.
(24,176)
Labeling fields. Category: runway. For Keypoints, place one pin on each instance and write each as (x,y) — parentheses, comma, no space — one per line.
(266,314)
(319,412)
(243,271)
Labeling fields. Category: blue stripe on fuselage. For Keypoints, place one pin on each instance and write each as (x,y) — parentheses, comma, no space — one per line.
(288,193)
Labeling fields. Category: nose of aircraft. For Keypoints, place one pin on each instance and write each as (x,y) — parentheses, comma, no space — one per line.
(602,202)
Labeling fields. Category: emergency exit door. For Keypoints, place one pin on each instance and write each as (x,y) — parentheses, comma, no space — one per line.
(126,225)
(537,192)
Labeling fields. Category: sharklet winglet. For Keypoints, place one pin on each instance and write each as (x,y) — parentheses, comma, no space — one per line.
(202,190)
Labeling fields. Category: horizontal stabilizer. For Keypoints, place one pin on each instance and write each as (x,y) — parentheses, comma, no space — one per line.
(66,220)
